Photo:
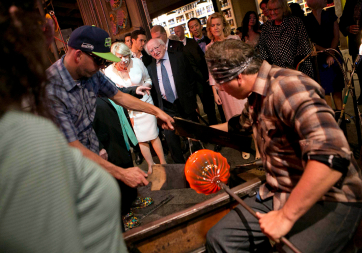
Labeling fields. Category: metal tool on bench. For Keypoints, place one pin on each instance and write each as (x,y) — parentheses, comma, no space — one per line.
(208,171)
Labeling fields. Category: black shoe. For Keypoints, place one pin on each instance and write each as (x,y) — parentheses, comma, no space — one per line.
(138,158)
(217,148)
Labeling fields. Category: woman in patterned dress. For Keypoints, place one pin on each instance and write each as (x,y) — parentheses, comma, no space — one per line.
(284,40)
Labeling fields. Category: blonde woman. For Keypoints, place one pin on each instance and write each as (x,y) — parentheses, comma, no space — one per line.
(218,29)
(132,72)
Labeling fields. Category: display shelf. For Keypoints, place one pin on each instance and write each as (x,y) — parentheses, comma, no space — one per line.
(228,12)
(181,15)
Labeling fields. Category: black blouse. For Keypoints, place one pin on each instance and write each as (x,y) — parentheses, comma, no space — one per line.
(286,44)
(321,34)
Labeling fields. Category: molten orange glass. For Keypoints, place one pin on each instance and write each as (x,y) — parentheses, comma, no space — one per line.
(204,169)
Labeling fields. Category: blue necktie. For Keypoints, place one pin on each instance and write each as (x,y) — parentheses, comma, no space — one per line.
(167,84)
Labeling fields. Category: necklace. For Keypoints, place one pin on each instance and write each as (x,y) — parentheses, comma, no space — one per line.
(124,75)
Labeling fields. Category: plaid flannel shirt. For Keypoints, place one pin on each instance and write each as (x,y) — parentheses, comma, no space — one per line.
(292,124)
(74,102)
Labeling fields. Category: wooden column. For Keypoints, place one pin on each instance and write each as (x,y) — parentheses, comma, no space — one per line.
(97,12)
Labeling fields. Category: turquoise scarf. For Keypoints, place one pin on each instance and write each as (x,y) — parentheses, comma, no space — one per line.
(126,128)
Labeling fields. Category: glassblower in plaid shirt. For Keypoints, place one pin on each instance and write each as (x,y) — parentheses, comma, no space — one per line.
(313,188)
(74,83)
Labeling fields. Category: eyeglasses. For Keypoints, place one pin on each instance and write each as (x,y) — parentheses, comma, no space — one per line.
(153,49)
(97,60)
(274,10)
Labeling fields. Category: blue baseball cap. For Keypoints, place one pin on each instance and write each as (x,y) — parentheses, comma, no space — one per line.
(94,40)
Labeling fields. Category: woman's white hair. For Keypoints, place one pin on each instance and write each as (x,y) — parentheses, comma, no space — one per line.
(120,48)
(156,39)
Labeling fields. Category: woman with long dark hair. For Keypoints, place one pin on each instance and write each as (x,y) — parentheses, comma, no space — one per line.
(251,31)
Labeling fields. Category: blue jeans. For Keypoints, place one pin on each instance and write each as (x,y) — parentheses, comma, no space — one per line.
(326,227)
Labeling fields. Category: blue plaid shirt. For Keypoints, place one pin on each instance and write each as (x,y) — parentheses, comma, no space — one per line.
(74,102)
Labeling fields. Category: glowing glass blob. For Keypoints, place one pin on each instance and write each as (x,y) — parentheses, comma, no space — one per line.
(204,169)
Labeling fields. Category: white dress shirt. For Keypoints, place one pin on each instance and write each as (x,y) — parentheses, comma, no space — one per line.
(184,41)
(167,45)
(167,64)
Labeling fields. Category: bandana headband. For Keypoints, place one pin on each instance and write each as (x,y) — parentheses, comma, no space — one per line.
(225,74)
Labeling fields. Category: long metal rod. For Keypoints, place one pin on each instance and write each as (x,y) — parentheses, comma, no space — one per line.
(252,212)
(350,88)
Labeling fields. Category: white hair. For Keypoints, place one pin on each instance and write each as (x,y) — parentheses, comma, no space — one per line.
(156,39)
(174,37)
(120,48)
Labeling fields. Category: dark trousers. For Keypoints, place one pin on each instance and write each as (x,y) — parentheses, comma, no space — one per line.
(326,227)
(173,140)
(128,194)
(207,100)
(358,71)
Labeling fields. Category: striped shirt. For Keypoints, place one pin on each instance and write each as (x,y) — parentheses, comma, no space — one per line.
(292,124)
(52,199)
(74,102)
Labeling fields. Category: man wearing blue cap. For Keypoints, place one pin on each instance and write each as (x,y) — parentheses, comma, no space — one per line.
(74,83)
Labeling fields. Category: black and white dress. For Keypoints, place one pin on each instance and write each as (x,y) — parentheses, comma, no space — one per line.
(286,44)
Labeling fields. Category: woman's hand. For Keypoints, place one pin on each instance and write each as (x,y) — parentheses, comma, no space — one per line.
(353,29)
(330,61)
(141,90)
(217,99)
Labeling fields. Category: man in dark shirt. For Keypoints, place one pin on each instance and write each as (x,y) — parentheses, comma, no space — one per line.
(138,42)
(203,88)
(195,28)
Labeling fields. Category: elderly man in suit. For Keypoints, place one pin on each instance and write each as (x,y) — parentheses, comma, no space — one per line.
(197,60)
(173,88)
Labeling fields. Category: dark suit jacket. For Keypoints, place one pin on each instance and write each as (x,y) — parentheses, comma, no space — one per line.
(347,20)
(184,78)
(207,40)
(175,46)
(198,55)
(146,59)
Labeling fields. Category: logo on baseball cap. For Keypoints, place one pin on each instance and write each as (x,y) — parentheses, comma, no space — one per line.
(93,40)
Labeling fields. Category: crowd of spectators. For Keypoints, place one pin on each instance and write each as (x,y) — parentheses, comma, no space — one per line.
(102,114)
